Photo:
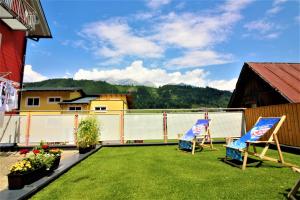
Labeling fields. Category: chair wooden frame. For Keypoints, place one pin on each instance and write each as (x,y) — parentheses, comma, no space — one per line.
(273,139)
(292,193)
(203,138)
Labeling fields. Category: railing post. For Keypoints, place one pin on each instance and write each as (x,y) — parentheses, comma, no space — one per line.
(122,127)
(27,134)
(75,127)
(206,127)
(165,127)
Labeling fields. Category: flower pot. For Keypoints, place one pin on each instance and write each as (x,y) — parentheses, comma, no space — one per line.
(34,175)
(84,150)
(15,181)
(55,163)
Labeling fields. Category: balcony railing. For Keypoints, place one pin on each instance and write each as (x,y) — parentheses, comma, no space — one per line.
(117,127)
(22,11)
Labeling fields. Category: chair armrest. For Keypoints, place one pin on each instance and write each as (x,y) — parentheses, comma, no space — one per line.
(231,139)
(179,136)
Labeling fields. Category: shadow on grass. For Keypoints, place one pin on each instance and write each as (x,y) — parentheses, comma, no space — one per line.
(286,192)
(251,162)
(82,178)
(198,149)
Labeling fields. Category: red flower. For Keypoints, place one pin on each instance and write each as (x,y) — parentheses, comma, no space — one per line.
(45,146)
(36,151)
(23,151)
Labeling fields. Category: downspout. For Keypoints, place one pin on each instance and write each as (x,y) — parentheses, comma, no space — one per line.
(22,71)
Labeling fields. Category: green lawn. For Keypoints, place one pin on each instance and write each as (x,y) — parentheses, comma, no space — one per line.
(163,172)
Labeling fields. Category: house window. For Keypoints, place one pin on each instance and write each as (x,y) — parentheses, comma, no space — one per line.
(74,108)
(33,101)
(54,99)
(100,109)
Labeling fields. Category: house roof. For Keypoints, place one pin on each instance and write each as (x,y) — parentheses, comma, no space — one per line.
(41,29)
(52,89)
(82,100)
(283,77)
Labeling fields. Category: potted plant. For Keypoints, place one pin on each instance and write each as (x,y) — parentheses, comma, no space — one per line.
(18,174)
(56,153)
(42,163)
(87,134)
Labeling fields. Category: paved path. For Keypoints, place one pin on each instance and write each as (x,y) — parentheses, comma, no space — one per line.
(7,159)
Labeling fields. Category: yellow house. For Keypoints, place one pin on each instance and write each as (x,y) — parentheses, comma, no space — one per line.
(69,100)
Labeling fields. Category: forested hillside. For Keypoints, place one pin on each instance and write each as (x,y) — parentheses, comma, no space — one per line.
(167,96)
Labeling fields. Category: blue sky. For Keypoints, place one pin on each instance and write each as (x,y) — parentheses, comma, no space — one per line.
(157,42)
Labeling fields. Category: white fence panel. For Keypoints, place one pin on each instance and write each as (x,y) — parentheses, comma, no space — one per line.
(143,126)
(22,129)
(226,124)
(52,128)
(109,126)
(179,123)
(9,129)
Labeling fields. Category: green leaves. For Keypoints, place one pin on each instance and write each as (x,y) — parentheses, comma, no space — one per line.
(88,132)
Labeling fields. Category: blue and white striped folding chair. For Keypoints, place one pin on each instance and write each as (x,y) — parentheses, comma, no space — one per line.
(239,149)
(198,134)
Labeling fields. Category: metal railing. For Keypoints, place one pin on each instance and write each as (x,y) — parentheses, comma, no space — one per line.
(21,10)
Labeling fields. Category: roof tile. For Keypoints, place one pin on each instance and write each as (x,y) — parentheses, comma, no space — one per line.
(284,77)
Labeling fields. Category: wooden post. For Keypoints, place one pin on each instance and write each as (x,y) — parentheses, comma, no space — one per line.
(278,149)
(122,127)
(207,137)
(292,193)
(245,157)
(165,127)
(75,127)
(27,135)
(194,146)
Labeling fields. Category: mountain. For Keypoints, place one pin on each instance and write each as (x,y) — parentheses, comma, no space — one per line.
(167,96)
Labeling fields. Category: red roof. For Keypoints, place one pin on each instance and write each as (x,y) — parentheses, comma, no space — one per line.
(284,77)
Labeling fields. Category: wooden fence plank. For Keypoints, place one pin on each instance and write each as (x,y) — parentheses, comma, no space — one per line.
(289,133)
(289,138)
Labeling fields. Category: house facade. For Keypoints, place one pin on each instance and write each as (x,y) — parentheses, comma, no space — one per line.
(266,83)
(55,101)
(19,20)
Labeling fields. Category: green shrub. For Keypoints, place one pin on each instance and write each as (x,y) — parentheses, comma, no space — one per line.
(88,132)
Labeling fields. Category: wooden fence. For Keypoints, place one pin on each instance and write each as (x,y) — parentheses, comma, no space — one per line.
(289,134)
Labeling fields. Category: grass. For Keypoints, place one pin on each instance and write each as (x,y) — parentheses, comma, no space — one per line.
(163,172)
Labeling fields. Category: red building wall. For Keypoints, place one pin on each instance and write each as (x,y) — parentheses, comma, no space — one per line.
(12,50)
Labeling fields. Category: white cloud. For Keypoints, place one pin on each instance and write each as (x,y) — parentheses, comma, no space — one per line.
(223,84)
(274,10)
(235,6)
(192,30)
(259,25)
(32,76)
(276,7)
(297,19)
(138,73)
(187,33)
(263,29)
(199,58)
(154,4)
(116,39)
